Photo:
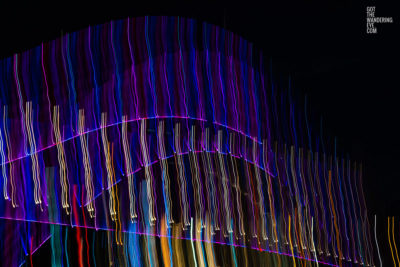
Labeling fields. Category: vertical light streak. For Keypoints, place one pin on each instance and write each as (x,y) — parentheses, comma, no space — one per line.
(312,239)
(210,183)
(3,168)
(128,170)
(279,177)
(9,150)
(270,193)
(86,164)
(321,203)
(148,171)
(133,73)
(134,246)
(366,226)
(179,258)
(236,185)
(191,242)
(199,243)
(260,193)
(314,194)
(343,196)
(334,216)
(208,243)
(150,71)
(61,161)
(93,248)
(234,258)
(394,242)
(353,205)
(35,163)
(55,230)
(20,101)
(195,170)
(290,243)
(78,229)
(66,246)
(165,174)
(118,230)
(165,249)
(360,252)
(376,242)
(349,204)
(180,168)
(47,92)
(224,178)
(332,233)
(251,196)
(86,230)
(307,214)
(390,243)
(106,149)
(299,214)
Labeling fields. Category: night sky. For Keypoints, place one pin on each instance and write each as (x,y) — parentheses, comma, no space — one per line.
(350,78)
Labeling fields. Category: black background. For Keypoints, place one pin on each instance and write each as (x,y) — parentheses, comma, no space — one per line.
(350,78)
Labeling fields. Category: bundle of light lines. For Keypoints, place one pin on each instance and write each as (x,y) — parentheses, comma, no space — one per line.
(168,128)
